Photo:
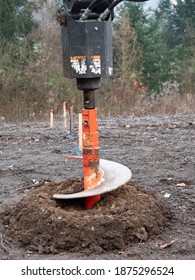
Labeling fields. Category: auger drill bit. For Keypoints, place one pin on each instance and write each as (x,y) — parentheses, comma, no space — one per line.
(86,33)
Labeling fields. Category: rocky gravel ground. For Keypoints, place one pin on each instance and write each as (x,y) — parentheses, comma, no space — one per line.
(159,150)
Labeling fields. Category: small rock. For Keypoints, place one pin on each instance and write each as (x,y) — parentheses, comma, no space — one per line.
(166,245)
(40,249)
(42,195)
(167,195)
(169,179)
(122,252)
(142,234)
(53,250)
(181,185)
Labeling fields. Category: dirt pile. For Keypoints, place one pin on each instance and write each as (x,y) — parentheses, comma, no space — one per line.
(122,218)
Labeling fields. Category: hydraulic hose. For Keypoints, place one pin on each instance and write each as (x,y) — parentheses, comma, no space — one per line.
(108,10)
(104,15)
(85,15)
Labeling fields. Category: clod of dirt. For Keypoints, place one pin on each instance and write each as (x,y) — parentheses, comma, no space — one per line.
(122,217)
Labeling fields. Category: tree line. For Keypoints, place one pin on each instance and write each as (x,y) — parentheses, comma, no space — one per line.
(154,54)
(166,38)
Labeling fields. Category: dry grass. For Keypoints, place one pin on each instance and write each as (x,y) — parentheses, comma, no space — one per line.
(28,93)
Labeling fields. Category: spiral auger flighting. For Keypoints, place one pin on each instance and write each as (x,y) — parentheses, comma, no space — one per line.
(114,176)
(86,29)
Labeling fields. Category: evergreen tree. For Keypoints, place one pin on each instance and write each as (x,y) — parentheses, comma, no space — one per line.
(127,52)
(165,36)
(137,16)
(16,23)
(183,19)
(183,35)
(16,19)
(154,36)
(165,52)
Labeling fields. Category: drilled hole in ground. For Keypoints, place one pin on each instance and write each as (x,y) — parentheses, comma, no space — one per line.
(122,217)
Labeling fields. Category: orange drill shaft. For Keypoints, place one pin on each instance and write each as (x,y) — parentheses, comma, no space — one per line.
(92,173)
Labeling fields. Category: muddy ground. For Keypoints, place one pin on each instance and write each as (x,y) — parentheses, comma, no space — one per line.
(151,217)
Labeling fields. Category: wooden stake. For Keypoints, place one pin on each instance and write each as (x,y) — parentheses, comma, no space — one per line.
(51,117)
(64,114)
(71,119)
(80,132)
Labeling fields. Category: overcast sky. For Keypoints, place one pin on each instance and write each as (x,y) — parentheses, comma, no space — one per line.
(154,3)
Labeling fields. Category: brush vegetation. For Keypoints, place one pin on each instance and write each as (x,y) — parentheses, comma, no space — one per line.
(154,61)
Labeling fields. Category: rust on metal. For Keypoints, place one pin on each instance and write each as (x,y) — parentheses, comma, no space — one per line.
(93,175)
(90,157)
(114,176)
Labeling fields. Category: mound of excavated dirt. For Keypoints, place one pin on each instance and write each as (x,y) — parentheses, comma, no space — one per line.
(121,218)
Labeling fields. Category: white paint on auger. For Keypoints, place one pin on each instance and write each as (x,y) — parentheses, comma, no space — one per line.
(115,175)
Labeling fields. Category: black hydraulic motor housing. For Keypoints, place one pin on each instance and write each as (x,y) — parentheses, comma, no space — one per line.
(86,32)
(86,44)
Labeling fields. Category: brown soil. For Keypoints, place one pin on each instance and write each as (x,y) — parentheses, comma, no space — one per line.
(151,217)
(123,217)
